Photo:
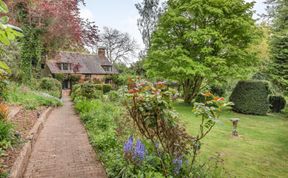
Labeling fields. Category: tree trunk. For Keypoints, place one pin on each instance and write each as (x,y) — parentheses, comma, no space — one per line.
(191,88)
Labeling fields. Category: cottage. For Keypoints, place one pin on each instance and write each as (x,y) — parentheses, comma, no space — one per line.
(83,67)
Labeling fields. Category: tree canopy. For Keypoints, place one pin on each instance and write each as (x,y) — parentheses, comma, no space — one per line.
(200,41)
(278,10)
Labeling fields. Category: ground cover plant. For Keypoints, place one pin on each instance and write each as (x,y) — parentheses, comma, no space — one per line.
(260,151)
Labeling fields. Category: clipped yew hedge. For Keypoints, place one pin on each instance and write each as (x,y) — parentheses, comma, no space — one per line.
(251,97)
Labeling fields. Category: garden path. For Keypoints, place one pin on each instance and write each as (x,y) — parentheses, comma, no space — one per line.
(62,149)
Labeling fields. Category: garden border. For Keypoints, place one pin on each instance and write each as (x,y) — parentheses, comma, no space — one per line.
(21,162)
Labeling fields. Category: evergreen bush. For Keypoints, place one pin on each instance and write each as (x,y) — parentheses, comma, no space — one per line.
(107,88)
(277,103)
(53,86)
(251,97)
(91,91)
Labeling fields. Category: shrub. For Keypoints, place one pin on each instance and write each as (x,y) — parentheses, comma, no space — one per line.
(91,91)
(251,97)
(53,86)
(107,88)
(6,134)
(217,90)
(76,91)
(277,103)
(3,89)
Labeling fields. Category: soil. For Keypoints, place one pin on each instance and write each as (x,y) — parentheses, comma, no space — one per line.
(23,122)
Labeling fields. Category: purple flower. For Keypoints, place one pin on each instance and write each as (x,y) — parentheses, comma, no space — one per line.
(177,165)
(128,146)
(139,152)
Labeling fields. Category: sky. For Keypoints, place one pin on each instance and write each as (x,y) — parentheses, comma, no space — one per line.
(122,15)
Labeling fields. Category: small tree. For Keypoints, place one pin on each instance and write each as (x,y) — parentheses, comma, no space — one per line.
(202,40)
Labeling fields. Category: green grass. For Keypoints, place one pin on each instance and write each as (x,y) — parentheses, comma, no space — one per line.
(28,98)
(260,151)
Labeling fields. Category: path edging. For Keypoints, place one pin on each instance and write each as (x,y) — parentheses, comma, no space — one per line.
(21,162)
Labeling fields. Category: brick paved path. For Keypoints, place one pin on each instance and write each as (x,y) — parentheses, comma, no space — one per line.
(62,149)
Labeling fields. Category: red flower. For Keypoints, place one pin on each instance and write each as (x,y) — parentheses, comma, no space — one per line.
(134,90)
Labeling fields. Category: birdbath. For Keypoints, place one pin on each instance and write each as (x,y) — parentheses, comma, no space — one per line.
(235,123)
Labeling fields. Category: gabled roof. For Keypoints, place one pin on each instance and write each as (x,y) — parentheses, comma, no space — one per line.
(89,64)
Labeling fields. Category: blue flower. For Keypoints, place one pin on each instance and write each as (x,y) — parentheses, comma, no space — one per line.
(128,146)
(139,152)
(177,165)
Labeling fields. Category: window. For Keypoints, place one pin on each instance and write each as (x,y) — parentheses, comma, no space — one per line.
(64,66)
(107,68)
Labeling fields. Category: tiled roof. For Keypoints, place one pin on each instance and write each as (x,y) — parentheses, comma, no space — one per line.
(89,64)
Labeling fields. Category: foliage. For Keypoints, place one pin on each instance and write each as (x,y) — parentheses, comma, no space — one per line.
(6,129)
(51,17)
(113,96)
(31,53)
(7,34)
(52,85)
(150,108)
(201,41)
(30,99)
(277,103)
(218,90)
(119,46)
(92,91)
(251,97)
(277,12)
(106,88)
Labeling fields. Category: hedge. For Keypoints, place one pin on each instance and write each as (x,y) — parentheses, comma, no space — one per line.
(251,97)
(277,103)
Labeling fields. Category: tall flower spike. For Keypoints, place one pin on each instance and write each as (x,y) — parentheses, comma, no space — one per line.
(140,150)
(128,146)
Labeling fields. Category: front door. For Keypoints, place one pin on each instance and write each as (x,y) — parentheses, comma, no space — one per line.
(66,85)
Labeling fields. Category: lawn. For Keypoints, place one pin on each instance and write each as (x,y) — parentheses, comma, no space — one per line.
(260,151)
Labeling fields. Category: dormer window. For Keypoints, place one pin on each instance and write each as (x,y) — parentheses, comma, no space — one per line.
(64,66)
(107,68)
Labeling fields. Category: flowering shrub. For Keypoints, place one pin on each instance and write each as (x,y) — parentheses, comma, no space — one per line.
(149,106)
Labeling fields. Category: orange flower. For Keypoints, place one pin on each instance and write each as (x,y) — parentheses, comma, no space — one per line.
(218,99)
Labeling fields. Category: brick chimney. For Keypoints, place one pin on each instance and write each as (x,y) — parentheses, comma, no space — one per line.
(101,52)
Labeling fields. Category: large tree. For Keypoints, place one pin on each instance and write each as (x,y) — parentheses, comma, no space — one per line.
(120,47)
(278,11)
(200,41)
(149,11)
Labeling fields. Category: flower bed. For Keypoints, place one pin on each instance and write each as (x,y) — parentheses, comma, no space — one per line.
(141,136)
